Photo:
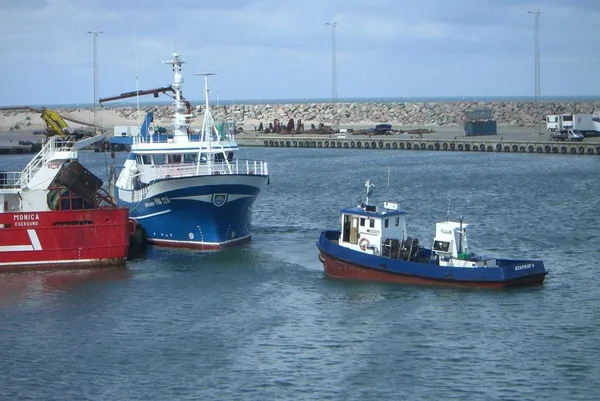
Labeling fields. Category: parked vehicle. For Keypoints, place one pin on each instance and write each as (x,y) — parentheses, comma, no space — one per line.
(567,135)
(587,124)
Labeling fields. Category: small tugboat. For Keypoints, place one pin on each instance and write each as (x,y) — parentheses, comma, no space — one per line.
(54,213)
(373,245)
(187,188)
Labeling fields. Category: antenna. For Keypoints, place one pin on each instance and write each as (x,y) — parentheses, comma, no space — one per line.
(137,79)
(387,190)
(369,190)
(208,124)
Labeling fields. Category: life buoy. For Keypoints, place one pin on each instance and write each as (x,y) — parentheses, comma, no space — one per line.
(363,244)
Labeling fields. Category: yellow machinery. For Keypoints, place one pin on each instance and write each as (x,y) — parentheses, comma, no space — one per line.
(55,124)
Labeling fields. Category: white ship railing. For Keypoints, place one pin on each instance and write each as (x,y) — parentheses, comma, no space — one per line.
(237,167)
(55,144)
(10,179)
(140,194)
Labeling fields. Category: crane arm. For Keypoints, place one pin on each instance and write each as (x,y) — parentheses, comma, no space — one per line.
(154,92)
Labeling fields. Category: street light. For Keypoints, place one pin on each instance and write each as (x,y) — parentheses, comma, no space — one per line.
(537,65)
(537,53)
(96,33)
(333,72)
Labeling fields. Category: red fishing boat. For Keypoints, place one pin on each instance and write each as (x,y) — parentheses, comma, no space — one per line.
(55,214)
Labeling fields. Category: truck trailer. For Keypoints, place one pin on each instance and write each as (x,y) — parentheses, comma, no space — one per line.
(587,124)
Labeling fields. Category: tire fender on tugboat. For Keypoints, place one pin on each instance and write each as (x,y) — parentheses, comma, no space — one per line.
(137,240)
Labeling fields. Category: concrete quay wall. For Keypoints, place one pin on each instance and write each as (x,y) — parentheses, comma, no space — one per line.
(399,142)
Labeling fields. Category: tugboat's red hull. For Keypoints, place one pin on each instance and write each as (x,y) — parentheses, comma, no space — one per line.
(61,239)
(340,269)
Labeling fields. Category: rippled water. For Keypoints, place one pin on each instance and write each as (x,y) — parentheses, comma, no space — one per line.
(260,322)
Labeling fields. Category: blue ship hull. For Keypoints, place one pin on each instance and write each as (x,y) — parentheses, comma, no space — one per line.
(203,212)
(342,262)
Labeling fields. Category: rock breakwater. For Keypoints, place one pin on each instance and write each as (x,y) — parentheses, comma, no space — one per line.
(399,114)
(406,114)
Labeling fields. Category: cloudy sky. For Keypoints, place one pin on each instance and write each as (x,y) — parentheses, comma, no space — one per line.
(282,49)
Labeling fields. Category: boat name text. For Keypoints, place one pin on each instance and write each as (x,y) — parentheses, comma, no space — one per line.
(369,231)
(26,220)
(164,200)
(524,267)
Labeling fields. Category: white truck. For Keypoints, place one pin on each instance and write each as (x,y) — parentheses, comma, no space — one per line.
(587,124)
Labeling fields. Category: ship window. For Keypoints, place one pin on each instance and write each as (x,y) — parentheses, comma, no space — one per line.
(229,156)
(371,223)
(441,246)
(146,159)
(190,157)
(567,118)
(174,158)
(158,159)
(387,223)
(397,221)
(362,221)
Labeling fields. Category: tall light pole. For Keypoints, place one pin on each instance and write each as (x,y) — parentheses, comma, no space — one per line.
(333,72)
(537,53)
(95,33)
(536,14)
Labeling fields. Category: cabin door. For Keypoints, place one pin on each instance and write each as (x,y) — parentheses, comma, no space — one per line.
(354,230)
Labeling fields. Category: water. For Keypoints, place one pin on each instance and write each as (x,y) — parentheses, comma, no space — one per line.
(260,322)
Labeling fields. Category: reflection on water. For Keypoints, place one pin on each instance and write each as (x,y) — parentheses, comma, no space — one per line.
(18,287)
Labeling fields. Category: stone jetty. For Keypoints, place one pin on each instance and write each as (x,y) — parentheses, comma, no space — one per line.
(517,114)
(408,113)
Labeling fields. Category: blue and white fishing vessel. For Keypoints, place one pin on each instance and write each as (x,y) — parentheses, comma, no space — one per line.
(372,244)
(188,188)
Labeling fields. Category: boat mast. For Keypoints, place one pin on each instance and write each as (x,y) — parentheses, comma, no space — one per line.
(369,190)
(461,236)
(180,125)
(207,124)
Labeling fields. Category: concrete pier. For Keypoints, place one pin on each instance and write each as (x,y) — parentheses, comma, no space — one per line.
(430,142)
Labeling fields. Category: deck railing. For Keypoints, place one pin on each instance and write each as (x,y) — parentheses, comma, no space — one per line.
(54,144)
(10,179)
(236,167)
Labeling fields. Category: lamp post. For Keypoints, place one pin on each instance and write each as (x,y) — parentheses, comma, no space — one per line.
(536,14)
(95,34)
(537,53)
(333,25)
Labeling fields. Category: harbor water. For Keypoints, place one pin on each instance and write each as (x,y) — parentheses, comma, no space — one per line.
(261,322)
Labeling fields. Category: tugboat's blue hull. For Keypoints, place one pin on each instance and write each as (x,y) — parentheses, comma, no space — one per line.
(203,212)
(344,263)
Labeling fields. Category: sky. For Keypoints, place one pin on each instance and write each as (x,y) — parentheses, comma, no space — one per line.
(282,49)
